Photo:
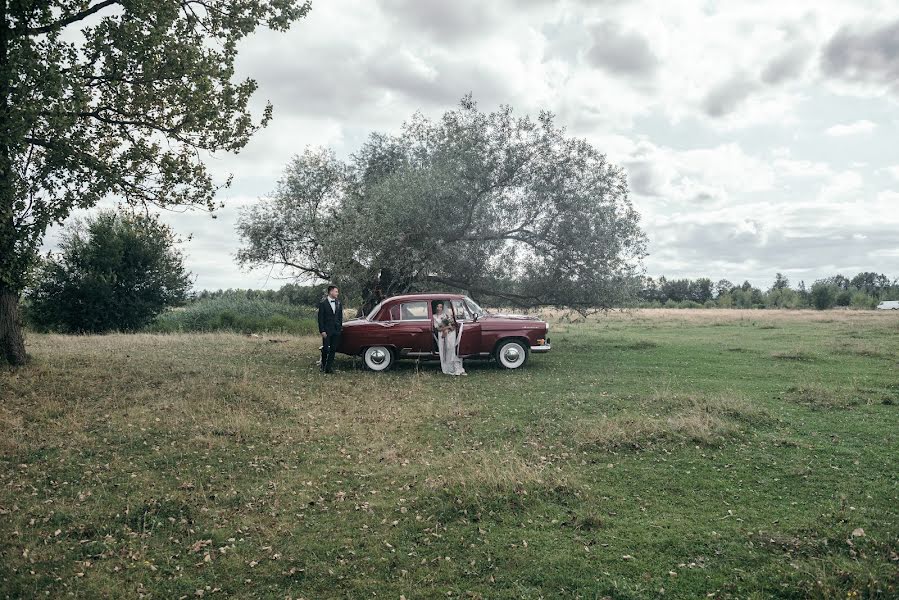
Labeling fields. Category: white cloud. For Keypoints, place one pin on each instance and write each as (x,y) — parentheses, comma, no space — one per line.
(801,168)
(841,187)
(854,128)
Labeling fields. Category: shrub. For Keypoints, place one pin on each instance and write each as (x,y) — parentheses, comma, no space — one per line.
(115,271)
(823,296)
(237,314)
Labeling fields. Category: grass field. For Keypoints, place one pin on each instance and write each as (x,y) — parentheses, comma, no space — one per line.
(684,454)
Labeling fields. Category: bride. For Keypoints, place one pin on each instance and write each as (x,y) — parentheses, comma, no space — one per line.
(445,326)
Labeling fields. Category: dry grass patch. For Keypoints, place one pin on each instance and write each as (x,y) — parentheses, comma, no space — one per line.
(695,419)
(765,319)
(493,471)
(862,349)
(11,426)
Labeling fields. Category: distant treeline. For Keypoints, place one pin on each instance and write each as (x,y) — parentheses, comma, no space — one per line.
(865,290)
(291,293)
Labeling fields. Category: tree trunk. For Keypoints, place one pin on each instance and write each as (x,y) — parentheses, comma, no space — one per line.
(12,343)
(393,282)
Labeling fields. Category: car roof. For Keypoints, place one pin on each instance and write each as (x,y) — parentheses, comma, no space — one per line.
(424,296)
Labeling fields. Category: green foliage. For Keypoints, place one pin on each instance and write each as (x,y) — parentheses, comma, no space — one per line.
(291,293)
(115,271)
(501,206)
(862,300)
(823,295)
(843,298)
(238,313)
(125,108)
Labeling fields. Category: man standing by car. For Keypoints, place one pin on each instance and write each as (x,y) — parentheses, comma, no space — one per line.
(330,324)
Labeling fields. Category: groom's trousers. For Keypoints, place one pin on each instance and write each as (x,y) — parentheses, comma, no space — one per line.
(329,347)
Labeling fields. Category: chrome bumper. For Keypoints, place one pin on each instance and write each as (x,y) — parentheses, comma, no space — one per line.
(540,349)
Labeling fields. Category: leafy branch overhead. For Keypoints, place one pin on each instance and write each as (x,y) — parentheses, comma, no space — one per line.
(115,98)
(493,203)
(127,110)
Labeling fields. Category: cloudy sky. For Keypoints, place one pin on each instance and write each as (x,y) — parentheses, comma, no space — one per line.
(758,136)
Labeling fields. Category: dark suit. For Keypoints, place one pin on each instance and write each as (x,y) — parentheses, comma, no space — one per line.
(330,322)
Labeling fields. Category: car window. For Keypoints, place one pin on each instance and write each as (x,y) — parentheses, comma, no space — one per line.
(413,311)
(462,312)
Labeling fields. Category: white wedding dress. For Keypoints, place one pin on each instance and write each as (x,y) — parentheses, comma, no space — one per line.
(450,363)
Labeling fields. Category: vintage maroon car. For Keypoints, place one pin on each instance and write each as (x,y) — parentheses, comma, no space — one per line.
(401,327)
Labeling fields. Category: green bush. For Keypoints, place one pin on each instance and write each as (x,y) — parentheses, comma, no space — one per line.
(823,296)
(863,300)
(237,314)
(115,272)
(844,298)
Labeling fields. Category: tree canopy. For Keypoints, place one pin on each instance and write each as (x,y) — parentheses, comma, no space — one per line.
(492,203)
(115,98)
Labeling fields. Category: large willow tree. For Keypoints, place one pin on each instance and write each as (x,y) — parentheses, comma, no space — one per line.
(498,205)
(114,98)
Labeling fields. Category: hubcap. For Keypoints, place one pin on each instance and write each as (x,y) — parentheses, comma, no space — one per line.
(377,356)
(512,354)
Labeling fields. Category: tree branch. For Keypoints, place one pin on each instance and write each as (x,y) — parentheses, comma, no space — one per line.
(65,20)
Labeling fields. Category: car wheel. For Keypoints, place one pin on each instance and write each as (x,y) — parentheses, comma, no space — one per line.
(512,354)
(377,358)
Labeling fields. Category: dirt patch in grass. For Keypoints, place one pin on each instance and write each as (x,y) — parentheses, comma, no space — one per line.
(639,345)
(801,544)
(797,355)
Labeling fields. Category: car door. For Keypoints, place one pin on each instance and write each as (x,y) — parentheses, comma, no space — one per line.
(412,326)
(470,340)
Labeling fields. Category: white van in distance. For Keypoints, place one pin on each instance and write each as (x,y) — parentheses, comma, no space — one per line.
(888,305)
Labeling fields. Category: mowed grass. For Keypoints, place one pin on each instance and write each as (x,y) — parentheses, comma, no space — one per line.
(684,454)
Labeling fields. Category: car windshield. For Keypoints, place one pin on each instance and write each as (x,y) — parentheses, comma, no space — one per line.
(473,306)
(371,315)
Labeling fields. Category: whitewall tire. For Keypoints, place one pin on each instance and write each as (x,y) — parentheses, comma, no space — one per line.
(512,354)
(377,358)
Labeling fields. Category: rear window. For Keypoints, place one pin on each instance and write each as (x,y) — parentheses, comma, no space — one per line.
(414,311)
(407,311)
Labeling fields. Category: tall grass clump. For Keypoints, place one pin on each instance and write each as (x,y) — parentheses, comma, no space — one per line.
(237,314)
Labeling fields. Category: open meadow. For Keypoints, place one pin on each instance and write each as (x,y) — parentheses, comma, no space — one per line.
(675,453)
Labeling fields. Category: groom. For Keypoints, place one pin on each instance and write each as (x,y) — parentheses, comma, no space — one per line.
(330,324)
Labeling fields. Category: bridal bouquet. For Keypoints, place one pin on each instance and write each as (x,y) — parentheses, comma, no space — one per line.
(446,321)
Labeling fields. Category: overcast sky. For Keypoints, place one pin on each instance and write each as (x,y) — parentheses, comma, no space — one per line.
(758,136)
